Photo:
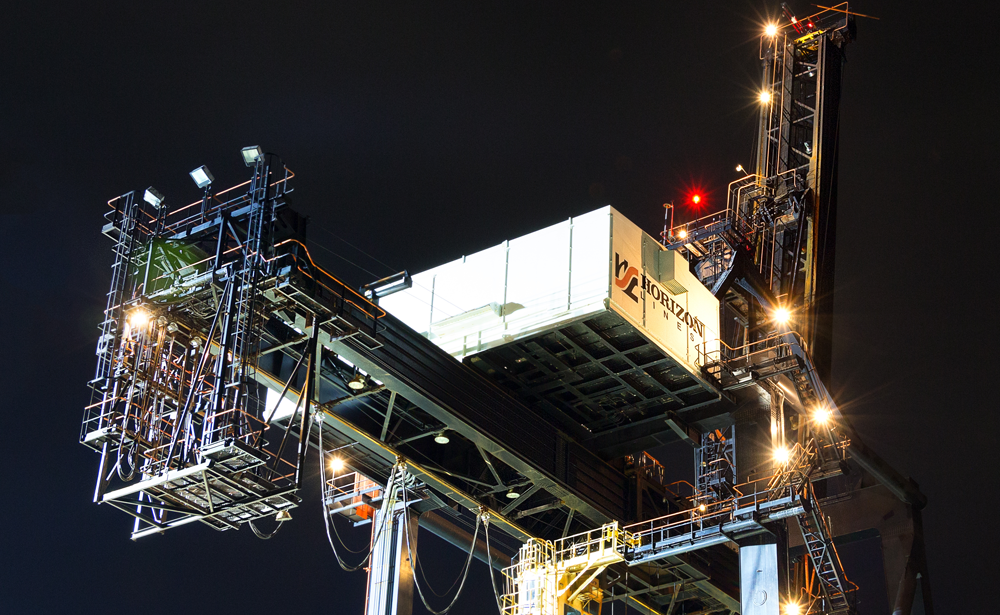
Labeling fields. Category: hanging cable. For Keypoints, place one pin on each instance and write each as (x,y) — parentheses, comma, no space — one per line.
(262,535)
(413,556)
(445,592)
(489,561)
(326,514)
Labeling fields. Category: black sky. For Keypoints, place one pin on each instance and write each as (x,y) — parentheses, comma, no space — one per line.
(420,133)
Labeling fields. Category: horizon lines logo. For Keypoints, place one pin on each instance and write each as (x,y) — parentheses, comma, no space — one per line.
(630,281)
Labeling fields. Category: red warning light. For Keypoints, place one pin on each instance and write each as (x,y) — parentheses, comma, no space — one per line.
(696,199)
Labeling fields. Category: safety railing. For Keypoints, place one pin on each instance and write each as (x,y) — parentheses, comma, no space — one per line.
(589,549)
(761,358)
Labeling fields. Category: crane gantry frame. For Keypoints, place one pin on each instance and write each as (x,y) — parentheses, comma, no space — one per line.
(217,317)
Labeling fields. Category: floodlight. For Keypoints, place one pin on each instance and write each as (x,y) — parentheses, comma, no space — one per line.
(765,97)
(336,464)
(441,438)
(283,515)
(822,415)
(357,382)
(202,176)
(681,234)
(781,315)
(252,154)
(513,495)
(702,507)
(139,318)
(781,455)
(793,608)
(739,168)
(153,196)
(771,29)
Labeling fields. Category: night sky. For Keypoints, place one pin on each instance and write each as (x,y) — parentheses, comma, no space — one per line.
(420,133)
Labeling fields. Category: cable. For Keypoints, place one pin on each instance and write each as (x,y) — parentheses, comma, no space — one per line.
(489,561)
(413,555)
(326,514)
(372,273)
(129,455)
(323,228)
(262,535)
(344,258)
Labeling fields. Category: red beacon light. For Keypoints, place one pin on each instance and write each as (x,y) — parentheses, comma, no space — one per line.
(696,199)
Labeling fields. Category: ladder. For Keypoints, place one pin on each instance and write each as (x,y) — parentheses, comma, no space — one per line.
(823,555)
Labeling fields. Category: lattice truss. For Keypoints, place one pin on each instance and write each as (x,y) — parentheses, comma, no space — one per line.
(177,411)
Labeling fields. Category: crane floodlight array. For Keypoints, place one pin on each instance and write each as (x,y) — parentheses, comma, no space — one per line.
(178,410)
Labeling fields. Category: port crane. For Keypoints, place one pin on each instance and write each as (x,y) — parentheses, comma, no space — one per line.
(517,423)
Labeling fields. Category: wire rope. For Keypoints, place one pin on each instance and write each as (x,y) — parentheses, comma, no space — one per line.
(372,273)
(436,295)
(342,257)
(323,228)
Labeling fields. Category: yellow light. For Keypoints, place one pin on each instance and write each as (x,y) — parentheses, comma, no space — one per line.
(781,455)
(822,415)
(336,464)
(771,29)
(792,608)
(739,168)
(682,233)
(765,97)
(782,315)
(702,507)
(139,318)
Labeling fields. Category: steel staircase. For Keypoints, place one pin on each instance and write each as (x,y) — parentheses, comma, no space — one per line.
(823,555)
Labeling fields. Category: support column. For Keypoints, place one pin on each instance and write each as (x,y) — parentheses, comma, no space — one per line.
(755,438)
(390,573)
(763,558)
(759,592)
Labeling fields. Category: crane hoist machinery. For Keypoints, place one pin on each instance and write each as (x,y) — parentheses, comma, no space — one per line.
(516,401)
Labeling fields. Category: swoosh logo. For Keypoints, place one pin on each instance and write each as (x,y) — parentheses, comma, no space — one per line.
(629,274)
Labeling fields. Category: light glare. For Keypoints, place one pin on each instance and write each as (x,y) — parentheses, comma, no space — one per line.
(822,415)
(336,464)
(682,233)
(793,608)
(781,455)
(782,315)
(138,319)
(771,29)
(765,97)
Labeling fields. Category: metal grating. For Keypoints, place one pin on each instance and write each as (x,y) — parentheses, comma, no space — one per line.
(594,375)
